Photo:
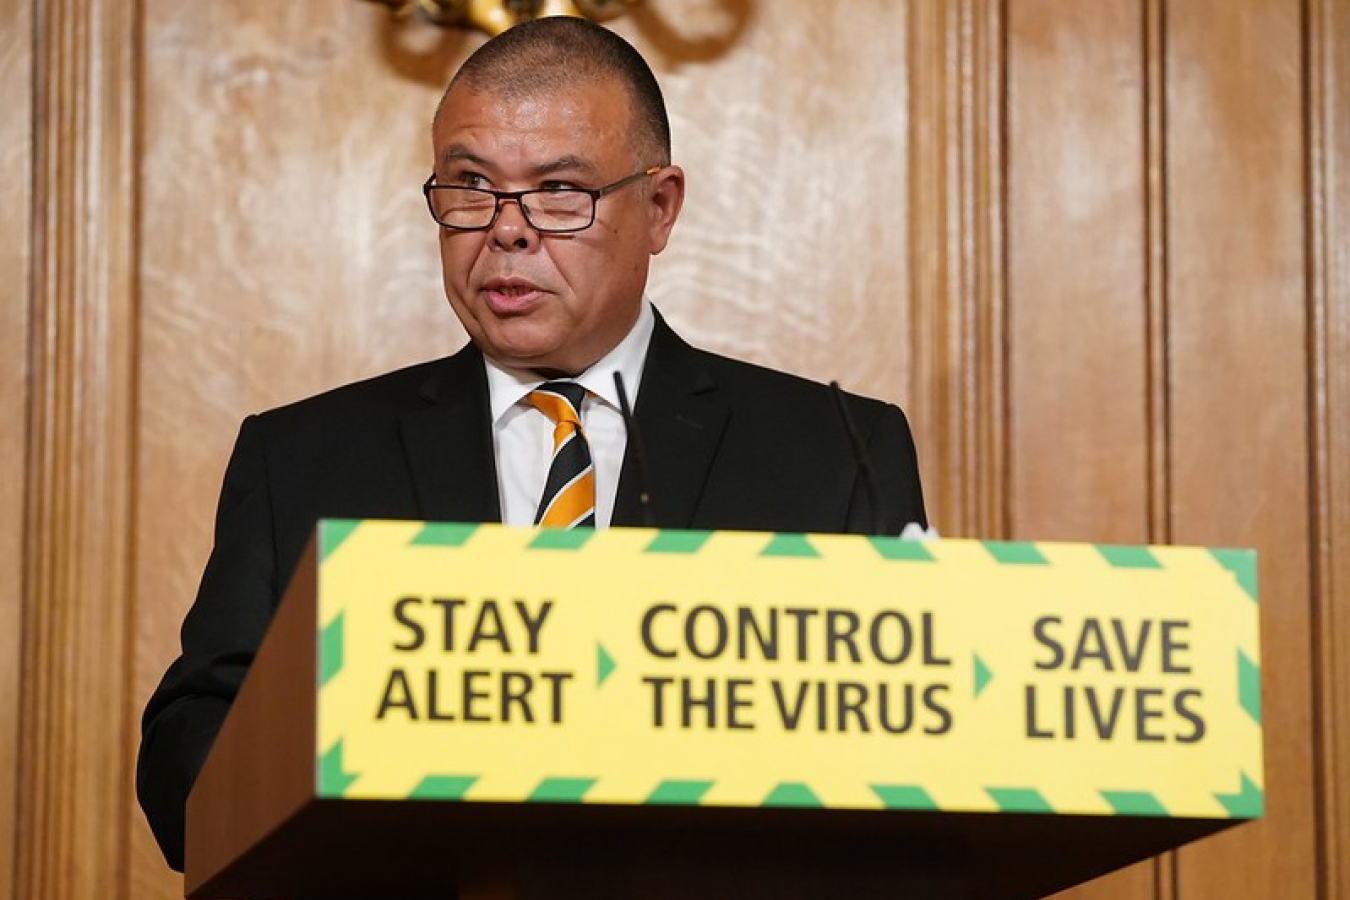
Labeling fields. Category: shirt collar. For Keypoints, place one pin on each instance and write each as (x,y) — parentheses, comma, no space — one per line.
(507,386)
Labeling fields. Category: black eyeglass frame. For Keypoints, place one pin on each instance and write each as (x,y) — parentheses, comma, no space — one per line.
(518,197)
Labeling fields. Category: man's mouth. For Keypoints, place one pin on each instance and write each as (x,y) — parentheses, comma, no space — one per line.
(511,296)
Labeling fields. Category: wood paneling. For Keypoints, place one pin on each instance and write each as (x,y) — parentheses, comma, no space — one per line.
(285,248)
(1329,225)
(1077,364)
(1098,250)
(74,760)
(956,253)
(16,137)
(1239,423)
(1080,389)
(794,231)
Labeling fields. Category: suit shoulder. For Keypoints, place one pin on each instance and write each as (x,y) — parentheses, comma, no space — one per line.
(386,395)
(741,377)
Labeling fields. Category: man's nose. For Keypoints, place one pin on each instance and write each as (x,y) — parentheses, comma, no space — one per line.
(511,230)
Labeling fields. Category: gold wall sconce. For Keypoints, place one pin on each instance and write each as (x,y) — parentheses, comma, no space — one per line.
(495,16)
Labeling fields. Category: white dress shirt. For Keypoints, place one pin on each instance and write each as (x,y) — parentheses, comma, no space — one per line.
(522,436)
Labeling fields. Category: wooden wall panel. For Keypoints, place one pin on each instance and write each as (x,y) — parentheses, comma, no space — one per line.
(16,138)
(956,261)
(1329,220)
(286,249)
(1238,386)
(1069,237)
(74,762)
(1079,389)
(1078,374)
(793,134)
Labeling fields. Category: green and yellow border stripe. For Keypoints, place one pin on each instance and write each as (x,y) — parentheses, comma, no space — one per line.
(786,545)
(1134,803)
(904,796)
(331,648)
(679,793)
(1119,556)
(1248,803)
(1019,799)
(561,790)
(332,534)
(443,534)
(792,794)
(1015,553)
(1249,686)
(331,779)
(1242,563)
(677,542)
(565,539)
(443,787)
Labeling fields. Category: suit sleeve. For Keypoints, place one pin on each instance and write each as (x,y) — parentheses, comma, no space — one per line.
(895,467)
(220,635)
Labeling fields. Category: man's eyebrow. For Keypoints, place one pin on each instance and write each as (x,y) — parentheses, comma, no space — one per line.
(566,164)
(459,153)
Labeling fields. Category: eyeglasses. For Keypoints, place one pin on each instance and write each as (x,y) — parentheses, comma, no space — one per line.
(547,210)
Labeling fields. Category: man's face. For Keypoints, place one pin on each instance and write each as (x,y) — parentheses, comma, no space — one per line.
(555,302)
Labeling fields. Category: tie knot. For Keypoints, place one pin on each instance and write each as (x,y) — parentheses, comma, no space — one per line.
(559,400)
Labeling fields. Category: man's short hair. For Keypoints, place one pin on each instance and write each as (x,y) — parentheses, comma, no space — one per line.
(557,52)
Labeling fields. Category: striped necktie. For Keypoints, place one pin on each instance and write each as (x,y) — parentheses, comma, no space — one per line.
(569,493)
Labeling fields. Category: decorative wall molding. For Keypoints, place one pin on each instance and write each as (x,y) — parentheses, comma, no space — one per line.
(1155,223)
(1328,142)
(16,138)
(1165,872)
(74,753)
(957,259)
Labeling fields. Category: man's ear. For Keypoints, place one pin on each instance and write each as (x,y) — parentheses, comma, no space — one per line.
(666,198)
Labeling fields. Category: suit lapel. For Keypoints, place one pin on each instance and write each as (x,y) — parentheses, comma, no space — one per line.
(449,444)
(680,417)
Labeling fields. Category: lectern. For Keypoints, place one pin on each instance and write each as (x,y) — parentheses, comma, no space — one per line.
(443,710)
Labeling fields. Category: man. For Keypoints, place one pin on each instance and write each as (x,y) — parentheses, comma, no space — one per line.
(553,188)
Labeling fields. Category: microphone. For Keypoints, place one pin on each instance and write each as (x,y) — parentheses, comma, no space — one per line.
(860,456)
(639,455)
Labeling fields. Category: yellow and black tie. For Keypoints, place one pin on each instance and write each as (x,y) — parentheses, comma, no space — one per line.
(569,493)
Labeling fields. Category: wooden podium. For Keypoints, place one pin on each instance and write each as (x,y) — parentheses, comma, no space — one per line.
(299,798)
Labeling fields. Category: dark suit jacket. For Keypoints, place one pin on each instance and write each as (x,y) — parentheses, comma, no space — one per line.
(728,446)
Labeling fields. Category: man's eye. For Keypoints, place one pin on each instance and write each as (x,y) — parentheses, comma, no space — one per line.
(469,179)
(553,186)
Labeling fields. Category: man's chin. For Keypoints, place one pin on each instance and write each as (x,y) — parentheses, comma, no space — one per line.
(530,358)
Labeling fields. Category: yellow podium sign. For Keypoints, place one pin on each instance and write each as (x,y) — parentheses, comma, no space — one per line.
(637,666)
